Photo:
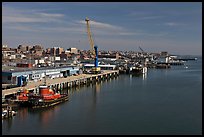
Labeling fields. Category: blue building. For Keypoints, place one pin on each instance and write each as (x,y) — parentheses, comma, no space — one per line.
(20,75)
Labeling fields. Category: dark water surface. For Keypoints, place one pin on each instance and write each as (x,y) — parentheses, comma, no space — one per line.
(165,101)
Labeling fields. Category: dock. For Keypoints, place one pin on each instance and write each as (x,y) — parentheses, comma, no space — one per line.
(63,83)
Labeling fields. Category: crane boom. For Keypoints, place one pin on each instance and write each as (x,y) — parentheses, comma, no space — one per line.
(94,49)
(141,49)
(90,36)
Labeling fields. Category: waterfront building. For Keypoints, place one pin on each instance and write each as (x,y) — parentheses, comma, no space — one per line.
(10,75)
(112,57)
(103,67)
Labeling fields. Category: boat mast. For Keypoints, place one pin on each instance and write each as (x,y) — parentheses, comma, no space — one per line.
(45,79)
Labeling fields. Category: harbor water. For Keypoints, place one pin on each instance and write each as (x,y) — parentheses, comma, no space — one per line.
(162,102)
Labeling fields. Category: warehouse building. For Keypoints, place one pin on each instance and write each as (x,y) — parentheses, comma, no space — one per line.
(16,75)
(103,67)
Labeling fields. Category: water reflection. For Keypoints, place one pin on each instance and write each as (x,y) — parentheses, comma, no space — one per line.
(96,89)
(7,123)
(144,76)
(98,119)
(23,114)
(45,115)
(130,79)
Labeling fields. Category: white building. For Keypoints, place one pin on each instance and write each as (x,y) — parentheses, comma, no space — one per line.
(103,67)
(73,50)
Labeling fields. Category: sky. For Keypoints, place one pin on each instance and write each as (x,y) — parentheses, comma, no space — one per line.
(175,27)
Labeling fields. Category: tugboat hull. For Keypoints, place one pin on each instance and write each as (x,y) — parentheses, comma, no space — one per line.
(47,103)
(40,103)
(46,97)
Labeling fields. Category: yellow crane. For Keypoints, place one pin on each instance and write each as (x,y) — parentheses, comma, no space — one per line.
(91,41)
(94,49)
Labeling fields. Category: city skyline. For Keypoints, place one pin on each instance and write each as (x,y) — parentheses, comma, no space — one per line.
(175,27)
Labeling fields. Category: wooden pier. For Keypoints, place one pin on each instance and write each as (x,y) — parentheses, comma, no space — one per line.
(63,83)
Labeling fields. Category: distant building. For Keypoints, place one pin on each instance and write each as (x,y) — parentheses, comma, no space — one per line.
(28,48)
(109,56)
(163,53)
(39,61)
(48,51)
(56,51)
(65,55)
(73,50)
(20,56)
(59,51)
(24,65)
(12,56)
(22,48)
(38,53)
(38,47)
(7,53)
(4,46)
(54,58)
(37,50)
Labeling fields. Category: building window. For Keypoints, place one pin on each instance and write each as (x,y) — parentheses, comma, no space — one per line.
(9,77)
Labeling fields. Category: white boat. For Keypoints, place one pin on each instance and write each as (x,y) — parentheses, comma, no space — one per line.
(5,113)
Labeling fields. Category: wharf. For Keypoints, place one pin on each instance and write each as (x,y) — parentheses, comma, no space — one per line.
(176,63)
(62,83)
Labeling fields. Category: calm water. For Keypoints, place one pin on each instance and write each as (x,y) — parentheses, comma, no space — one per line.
(165,101)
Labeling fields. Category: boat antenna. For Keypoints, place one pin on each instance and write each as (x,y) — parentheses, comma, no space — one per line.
(45,79)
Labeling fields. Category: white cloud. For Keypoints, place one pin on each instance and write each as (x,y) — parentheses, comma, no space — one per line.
(159,34)
(127,33)
(149,17)
(21,19)
(100,25)
(51,15)
(50,30)
(12,15)
(173,24)
(22,28)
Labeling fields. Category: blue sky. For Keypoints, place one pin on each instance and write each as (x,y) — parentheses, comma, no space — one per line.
(175,27)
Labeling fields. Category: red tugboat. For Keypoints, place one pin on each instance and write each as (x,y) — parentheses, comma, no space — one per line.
(23,96)
(46,97)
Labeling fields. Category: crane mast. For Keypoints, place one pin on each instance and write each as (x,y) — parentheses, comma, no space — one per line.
(141,49)
(90,36)
(94,49)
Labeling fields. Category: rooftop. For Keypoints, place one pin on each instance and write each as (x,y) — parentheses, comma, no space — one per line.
(19,69)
